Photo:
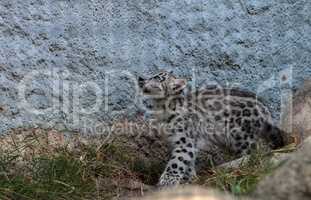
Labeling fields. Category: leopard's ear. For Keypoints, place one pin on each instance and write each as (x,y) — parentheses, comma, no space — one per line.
(179,84)
(141,81)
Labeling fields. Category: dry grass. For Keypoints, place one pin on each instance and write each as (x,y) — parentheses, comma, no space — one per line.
(47,164)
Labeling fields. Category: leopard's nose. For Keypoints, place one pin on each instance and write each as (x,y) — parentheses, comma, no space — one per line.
(141,113)
(146,90)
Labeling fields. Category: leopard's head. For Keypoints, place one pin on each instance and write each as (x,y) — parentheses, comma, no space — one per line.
(162,84)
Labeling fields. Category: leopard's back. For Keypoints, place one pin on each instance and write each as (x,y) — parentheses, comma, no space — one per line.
(225,119)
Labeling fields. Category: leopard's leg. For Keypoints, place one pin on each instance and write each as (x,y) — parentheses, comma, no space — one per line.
(181,166)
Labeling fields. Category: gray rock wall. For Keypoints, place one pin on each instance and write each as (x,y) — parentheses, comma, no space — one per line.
(92,44)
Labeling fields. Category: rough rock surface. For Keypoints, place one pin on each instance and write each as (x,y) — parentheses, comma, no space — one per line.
(189,193)
(246,43)
(292,181)
(297,116)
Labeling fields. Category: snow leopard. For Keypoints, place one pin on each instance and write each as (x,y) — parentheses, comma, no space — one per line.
(213,119)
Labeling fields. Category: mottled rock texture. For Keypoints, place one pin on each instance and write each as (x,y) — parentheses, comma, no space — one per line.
(292,181)
(246,43)
(188,193)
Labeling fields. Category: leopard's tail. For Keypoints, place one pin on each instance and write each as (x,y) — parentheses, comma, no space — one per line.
(274,136)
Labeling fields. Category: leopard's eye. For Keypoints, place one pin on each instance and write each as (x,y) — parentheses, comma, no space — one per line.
(176,87)
(159,78)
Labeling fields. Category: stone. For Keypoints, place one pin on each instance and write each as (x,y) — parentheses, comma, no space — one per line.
(292,180)
(188,193)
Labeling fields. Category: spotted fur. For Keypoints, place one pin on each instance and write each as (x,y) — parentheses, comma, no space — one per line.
(214,120)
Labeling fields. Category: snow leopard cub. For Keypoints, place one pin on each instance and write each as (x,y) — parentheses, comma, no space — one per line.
(214,120)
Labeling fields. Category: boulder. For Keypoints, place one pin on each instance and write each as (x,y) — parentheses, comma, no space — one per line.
(292,180)
(188,193)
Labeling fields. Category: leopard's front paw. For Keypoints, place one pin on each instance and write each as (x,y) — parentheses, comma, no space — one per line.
(167,180)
